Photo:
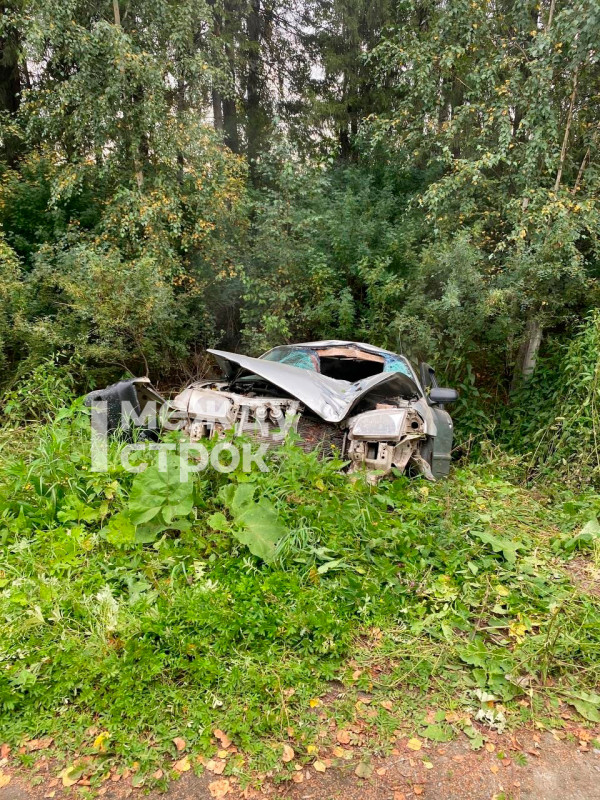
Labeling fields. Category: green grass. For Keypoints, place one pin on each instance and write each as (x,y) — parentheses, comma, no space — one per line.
(413,593)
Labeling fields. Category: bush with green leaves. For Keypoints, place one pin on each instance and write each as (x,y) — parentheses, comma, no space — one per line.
(39,394)
(10,296)
(555,417)
(327,254)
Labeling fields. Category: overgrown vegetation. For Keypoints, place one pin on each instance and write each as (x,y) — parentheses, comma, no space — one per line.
(180,174)
(176,174)
(137,612)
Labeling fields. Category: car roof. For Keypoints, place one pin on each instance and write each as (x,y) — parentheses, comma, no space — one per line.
(370,348)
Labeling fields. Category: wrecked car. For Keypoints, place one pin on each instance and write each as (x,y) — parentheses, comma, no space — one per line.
(362,403)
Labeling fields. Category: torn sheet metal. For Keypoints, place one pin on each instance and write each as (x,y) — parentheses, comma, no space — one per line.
(330,398)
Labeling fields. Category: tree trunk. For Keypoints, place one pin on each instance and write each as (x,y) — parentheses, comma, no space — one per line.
(181,109)
(230,124)
(216,96)
(563,150)
(345,144)
(230,117)
(528,353)
(10,85)
(217,104)
(253,110)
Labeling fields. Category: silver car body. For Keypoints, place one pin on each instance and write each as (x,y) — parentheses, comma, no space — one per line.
(377,422)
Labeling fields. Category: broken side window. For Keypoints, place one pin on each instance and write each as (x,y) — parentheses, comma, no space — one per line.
(396,364)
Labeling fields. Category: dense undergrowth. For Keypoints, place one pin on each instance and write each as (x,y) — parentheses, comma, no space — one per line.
(143,632)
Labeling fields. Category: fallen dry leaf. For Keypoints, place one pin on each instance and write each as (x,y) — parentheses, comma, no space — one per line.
(343,737)
(490,747)
(381,771)
(39,744)
(418,789)
(399,796)
(4,779)
(387,704)
(219,788)
(216,765)
(288,753)
(428,765)
(223,738)
(298,777)
(158,774)
(183,765)
(320,766)
(179,743)
(4,750)
(66,778)
(494,768)
(363,770)
(51,794)
(414,744)
(222,753)
(338,751)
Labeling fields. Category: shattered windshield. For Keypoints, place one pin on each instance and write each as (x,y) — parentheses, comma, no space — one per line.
(296,357)
(339,362)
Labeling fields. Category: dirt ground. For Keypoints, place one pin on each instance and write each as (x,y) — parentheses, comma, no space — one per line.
(525,766)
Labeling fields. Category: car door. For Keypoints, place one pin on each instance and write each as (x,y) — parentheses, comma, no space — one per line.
(442,444)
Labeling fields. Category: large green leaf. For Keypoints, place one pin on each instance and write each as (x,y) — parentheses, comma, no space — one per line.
(437,733)
(236,497)
(587,704)
(257,524)
(498,545)
(259,529)
(155,491)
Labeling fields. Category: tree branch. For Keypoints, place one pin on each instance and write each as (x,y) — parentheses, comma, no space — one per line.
(563,150)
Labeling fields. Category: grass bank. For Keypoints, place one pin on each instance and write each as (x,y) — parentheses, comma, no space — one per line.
(125,631)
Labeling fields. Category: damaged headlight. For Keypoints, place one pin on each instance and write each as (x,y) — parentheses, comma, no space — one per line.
(388,425)
(205,404)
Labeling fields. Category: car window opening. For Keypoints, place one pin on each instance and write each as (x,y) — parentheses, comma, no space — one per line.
(349,369)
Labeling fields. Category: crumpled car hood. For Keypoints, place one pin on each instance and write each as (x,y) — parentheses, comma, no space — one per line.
(330,399)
